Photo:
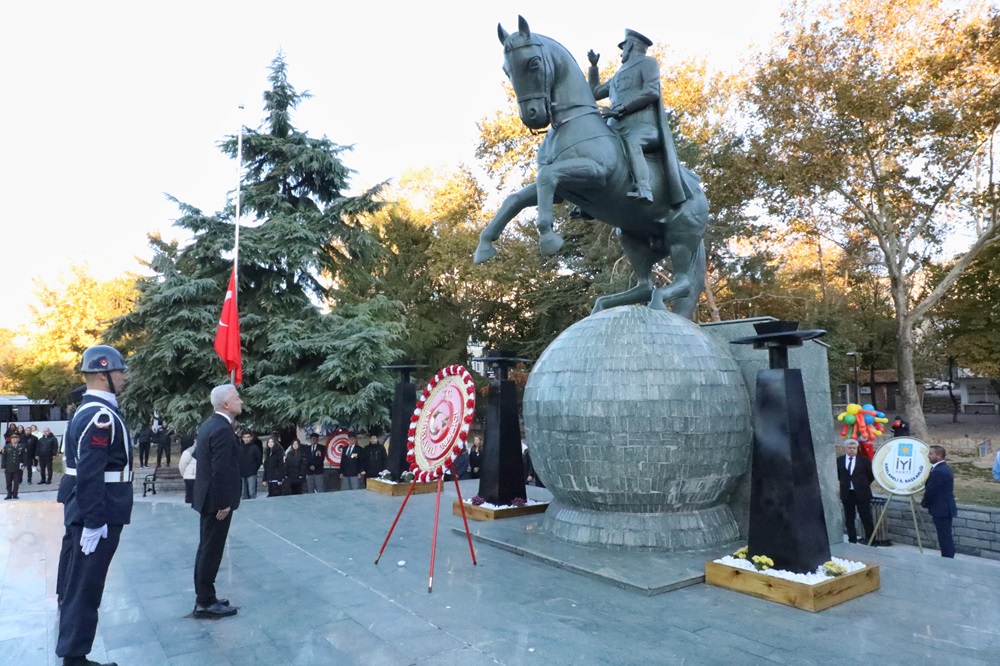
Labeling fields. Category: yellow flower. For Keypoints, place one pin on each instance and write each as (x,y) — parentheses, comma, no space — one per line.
(741,554)
(762,562)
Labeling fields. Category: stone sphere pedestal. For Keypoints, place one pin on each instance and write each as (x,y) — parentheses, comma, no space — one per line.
(639,423)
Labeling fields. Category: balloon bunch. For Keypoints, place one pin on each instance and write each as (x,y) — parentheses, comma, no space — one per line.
(863,423)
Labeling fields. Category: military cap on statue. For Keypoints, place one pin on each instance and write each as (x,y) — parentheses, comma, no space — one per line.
(632,34)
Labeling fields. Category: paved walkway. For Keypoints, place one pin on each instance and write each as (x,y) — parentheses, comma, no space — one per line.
(301,569)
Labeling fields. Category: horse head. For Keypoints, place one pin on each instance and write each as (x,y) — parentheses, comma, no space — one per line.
(527,65)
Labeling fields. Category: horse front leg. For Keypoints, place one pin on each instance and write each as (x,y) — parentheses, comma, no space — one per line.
(573,171)
(510,207)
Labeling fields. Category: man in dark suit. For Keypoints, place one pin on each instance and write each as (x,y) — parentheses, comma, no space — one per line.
(351,465)
(855,474)
(939,499)
(315,471)
(216,495)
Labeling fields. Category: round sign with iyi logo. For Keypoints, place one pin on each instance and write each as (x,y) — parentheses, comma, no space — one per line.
(901,466)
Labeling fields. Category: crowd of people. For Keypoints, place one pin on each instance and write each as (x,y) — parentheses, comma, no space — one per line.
(24,451)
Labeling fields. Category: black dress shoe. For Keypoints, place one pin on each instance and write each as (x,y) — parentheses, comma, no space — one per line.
(83,661)
(213,610)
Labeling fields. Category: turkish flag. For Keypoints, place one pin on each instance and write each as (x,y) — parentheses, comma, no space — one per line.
(227,337)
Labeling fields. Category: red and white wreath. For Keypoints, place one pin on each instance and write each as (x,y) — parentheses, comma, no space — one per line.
(440,423)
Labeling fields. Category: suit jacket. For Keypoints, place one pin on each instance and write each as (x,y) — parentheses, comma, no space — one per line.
(351,464)
(217,482)
(315,459)
(939,493)
(862,477)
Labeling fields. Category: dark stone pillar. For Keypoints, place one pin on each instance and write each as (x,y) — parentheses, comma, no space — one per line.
(786,507)
(501,478)
(403,404)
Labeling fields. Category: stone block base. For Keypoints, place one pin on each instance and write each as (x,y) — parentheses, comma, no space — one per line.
(669,532)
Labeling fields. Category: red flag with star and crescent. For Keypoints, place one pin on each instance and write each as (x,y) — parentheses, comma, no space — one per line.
(227,336)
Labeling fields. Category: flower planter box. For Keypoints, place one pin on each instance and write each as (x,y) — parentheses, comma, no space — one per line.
(398,489)
(807,597)
(483,513)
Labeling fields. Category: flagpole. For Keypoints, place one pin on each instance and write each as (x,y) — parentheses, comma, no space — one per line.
(236,245)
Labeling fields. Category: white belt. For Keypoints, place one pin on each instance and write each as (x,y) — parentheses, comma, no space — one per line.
(124,476)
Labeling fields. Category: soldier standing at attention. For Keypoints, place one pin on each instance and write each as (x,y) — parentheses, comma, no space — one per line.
(13,456)
(96,493)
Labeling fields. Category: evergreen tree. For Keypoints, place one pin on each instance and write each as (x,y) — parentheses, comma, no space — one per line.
(308,356)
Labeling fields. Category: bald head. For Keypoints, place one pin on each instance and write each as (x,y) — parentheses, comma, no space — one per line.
(226,399)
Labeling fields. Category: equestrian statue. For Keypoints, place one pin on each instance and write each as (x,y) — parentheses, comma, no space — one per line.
(619,166)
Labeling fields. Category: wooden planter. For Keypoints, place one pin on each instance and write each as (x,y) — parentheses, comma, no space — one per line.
(807,597)
(398,489)
(483,513)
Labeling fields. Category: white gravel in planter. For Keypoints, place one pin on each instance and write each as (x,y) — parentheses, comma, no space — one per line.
(817,576)
(487,505)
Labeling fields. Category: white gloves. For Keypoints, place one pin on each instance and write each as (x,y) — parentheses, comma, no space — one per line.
(90,537)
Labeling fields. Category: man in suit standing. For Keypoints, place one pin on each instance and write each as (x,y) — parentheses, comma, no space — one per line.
(216,495)
(351,465)
(939,499)
(315,472)
(855,474)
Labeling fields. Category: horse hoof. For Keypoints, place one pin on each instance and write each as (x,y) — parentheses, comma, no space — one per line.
(484,252)
(550,243)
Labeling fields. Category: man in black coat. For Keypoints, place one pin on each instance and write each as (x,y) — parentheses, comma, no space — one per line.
(48,445)
(216,495)
(856,477)
(375,458)
(251,460)
(145,439)
(351,465)
(315,467)
(30,441)
(162,439)
(939,499)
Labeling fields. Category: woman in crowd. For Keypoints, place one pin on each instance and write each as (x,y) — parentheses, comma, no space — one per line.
(295,467)
(274,467)
(11,429)
(188,466)
(476,457)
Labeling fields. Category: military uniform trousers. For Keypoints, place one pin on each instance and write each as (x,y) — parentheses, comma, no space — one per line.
(83,588)
(13,477)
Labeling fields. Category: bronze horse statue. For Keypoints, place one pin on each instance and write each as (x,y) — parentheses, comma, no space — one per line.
(581,160)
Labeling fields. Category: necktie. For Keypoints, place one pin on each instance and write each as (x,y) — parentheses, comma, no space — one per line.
(850,466)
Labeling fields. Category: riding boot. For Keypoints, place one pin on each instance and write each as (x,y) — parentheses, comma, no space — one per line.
(640,171)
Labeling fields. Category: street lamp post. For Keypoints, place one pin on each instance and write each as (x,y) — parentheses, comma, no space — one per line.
(857,381)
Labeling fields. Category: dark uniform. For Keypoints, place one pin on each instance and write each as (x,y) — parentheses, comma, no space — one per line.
(13,457)
(96,492)
(162,445)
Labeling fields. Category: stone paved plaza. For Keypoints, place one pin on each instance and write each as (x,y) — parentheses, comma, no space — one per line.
(301,570)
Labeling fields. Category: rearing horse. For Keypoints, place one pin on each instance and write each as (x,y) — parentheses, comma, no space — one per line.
(582,160)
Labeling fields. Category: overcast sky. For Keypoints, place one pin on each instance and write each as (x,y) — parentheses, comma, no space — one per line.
(108,106)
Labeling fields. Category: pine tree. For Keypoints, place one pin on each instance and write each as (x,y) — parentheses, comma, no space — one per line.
(308,357)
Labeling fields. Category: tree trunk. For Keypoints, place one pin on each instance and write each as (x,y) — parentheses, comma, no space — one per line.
(912,408)
(713,307)
(956,402)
